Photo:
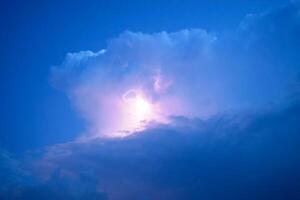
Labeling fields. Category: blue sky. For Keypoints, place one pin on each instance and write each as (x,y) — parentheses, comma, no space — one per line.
(150,100)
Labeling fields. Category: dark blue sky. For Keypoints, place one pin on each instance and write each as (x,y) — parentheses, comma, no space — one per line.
(37,34)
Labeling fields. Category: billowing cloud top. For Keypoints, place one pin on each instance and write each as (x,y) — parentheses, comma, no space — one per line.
(170,71)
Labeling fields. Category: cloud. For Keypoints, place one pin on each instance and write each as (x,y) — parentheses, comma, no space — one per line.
(161,66)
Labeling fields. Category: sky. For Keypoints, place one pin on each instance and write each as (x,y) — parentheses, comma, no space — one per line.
(150,100)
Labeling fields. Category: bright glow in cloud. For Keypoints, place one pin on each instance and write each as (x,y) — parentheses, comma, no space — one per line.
(138,110)
(142,109)
(138,105)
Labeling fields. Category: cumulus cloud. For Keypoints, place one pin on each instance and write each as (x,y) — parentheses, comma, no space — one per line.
(160,66)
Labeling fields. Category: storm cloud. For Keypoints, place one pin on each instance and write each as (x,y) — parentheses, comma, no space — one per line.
(232,103)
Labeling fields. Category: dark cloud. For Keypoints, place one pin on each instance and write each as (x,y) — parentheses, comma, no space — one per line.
(245,156)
